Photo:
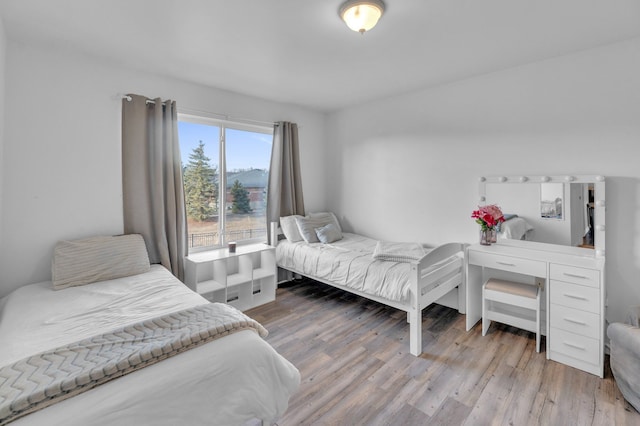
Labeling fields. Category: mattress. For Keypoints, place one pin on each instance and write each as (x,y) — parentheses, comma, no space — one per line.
(228,381)
(349,262)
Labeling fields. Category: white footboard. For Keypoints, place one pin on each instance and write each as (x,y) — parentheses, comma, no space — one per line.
(438,273)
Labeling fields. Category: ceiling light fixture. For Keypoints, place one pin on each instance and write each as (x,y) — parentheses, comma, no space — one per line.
(361,16)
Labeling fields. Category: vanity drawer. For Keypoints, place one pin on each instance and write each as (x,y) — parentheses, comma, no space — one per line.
(507,263)
(575,296)
(574,274)
(575,321)
(575,345)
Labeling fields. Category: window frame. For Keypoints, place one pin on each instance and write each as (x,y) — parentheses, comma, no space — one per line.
(223,125)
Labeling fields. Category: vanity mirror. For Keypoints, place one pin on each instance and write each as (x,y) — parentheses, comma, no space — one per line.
(565,211)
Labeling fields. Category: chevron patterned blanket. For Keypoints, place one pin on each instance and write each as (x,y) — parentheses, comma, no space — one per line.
(41,380)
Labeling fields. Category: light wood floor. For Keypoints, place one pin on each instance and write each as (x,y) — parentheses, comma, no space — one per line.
(353,357)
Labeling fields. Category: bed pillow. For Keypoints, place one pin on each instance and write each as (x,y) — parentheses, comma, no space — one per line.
(290,228)
(329,216)
(328,233)
(95,259)
(307,226)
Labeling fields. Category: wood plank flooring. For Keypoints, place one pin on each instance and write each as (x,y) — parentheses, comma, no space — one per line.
(353,357)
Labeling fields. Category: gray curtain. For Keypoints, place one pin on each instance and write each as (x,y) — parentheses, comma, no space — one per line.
(153,194)
(284,195)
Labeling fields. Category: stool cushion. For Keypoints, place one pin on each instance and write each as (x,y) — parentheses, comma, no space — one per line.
(518,289)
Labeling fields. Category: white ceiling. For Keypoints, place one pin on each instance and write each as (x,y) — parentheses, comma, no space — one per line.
(299,51)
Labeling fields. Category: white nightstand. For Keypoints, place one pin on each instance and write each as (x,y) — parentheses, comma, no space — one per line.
(244,279)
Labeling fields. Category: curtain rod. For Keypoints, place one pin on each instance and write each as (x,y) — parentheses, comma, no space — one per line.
(225,117)
(129,99)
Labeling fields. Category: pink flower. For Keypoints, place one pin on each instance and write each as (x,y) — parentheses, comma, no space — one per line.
(488,216)
(495,211)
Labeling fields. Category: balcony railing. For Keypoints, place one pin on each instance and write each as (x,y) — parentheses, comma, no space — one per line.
(205,239)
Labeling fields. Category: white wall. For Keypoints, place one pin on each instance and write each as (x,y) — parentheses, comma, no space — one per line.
(3,54)
(406,168)
(63,157)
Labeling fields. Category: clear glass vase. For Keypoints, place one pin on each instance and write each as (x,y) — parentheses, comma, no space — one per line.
(485,237)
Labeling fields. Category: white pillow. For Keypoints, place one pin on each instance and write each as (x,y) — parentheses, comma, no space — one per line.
(290,228)
(328,216)
(328,233)
(307,227)
(95,259)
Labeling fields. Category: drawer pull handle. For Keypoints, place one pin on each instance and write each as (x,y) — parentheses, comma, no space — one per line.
(505,263)
(573,345)
(575,321)
(576,276)
(573,296)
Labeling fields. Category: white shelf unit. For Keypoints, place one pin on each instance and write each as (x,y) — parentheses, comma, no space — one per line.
(244,279)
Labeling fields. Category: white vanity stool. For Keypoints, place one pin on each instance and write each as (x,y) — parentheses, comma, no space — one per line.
(525,296)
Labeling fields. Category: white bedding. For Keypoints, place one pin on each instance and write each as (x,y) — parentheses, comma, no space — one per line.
(515,228)
(348,262)
(398,252)
(227,381)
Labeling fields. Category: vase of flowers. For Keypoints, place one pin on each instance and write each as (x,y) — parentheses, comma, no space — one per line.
(487,217)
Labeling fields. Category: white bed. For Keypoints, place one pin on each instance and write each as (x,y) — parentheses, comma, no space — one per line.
(227,381)
(348,264)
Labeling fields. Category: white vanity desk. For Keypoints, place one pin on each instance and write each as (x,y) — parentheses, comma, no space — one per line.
(574,287)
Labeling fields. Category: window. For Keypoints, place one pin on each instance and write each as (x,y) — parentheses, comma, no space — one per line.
(221,157)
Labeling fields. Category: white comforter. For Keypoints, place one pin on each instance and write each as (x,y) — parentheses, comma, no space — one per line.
(227,381)
(348,262)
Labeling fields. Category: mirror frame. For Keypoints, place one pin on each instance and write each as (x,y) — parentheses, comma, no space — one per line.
(598,218)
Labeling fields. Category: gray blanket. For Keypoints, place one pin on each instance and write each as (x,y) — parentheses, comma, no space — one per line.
(49,377)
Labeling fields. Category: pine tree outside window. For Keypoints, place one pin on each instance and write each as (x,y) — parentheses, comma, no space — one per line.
(225,169)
